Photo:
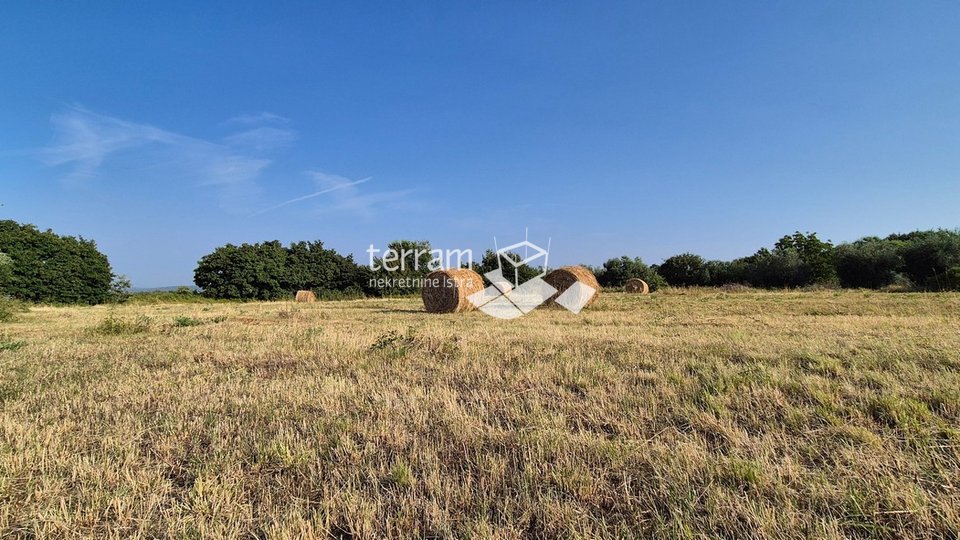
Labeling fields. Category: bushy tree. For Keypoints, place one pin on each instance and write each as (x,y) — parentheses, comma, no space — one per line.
(728,272)
(615,273)
(816,255)
(314,267)
(685,270)
(777,269)
(46,267)
(403,265)
(868,263)
(270,271)
(929,255)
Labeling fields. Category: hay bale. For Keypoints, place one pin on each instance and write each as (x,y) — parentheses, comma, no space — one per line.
(446,291)
(306,296)
(565,277)
(636,286)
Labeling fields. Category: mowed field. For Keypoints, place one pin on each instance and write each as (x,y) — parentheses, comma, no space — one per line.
(682,414)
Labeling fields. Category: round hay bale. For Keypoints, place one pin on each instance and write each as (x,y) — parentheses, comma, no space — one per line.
(306,296)
(636,286)
(565,277)
(446,291)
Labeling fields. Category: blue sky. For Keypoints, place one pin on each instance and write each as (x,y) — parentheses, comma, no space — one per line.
(649,129)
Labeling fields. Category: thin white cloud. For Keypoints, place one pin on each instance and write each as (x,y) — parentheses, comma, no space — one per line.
(261,138)
(85,139)
(312,195)
(262,117)
(87,142)
(351,200)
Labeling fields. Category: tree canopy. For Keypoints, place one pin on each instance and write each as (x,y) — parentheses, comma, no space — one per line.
(615,273)
(41,266)
(270,271)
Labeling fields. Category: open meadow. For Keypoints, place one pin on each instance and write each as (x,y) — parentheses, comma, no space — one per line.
(686,413)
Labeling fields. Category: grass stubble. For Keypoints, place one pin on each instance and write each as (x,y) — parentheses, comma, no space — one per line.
(682,414)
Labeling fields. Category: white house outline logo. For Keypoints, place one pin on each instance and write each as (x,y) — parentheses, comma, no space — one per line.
(506,299)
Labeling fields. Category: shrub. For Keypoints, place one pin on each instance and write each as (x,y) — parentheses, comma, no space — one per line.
(9,307)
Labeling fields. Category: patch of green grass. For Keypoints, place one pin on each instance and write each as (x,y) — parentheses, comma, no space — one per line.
(116,326)
(900,412)
(741,473)
(183,321)
(7,344)
(400,475)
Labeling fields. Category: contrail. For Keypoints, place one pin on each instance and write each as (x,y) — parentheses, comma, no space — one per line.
(310,196)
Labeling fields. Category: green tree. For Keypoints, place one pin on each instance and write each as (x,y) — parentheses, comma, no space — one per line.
(781,268)
(615,272)
(46,267)
(929,255)
(270,271)
(248,271)
(868,263)
(313,267)
(685,270)
(402,267)
(816,254)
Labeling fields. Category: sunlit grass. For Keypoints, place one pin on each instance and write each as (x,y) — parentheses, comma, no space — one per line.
(681,414)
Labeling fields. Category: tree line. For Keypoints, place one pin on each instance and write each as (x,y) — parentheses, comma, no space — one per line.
(41,266)
(920,261)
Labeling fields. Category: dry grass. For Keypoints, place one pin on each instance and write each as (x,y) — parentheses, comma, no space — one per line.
(680,414)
